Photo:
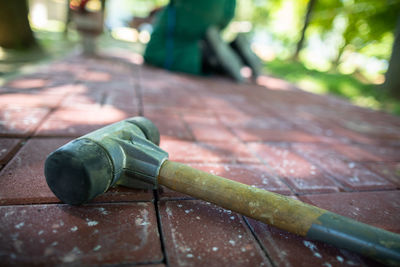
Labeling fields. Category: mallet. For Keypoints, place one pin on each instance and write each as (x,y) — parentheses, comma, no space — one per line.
(127,153)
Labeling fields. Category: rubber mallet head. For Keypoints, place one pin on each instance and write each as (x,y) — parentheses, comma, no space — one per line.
(125,152)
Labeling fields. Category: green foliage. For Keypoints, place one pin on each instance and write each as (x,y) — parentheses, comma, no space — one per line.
(367,22)
(362,26)
(346,86)
(256,10)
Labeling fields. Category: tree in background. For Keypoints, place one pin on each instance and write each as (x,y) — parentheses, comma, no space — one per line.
(307,18)
(366,24)
(15,31)
(324,16)
(392,77)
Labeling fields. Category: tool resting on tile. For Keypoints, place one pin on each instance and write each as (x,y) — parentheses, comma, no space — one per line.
(127,153)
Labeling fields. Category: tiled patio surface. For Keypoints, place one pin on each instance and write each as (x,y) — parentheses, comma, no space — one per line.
(318,149)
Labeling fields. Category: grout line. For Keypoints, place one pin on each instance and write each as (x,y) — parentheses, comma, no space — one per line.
(123,264)
(5,204)
(270,168)
(179,198)
(103,99)
(229,128)
(373,190)
(333,179)
(49,136)
(33,132)
(12,154)
(187,127)
(159,226)
(25,139)
(258,241)
(137,86)
(260,159)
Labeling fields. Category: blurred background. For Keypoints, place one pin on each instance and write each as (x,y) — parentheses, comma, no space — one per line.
(350,48)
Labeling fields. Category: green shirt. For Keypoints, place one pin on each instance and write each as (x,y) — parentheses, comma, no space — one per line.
(179,27)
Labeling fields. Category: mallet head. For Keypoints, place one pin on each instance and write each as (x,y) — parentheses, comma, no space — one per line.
(125,152)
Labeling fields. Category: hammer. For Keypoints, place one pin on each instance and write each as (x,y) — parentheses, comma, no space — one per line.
(127,153)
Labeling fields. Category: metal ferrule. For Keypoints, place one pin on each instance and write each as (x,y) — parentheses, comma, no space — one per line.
(136,160)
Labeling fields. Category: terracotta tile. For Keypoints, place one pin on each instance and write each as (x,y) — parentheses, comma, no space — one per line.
(94,76)
(384,153)
(222,101)
(125,194)
(325,129)
(30,100)
(172,96)
(60,128)
(236,117)
(23,182)
(232,114)
(92,96)
(168,194)
(365,139)
(346,136)
(373,125)
(387,170)
(153,87)
(174,112)
(26,83)
(65,67)
(99,115)
(286,249)
(20,121)
(62,88)
(306,150)
(171,126)
(351,174)
(54,86)
(7,148)
(85,99)
(250,174)
(277,136)
(357,153)
(199,234)
(255,175)
(78,122)
(49,235)
(120,98)
(269,128)
(208,128)
(207,152)
(300,174)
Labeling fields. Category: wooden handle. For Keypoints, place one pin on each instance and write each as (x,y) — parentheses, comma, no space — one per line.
(274,209)
(283,212)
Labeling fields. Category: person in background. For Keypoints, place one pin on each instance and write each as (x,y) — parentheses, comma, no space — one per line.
(186,38)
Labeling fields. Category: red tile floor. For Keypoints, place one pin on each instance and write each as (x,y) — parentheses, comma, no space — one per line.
(319,149)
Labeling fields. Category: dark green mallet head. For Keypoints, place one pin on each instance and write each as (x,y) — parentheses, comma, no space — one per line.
(125,152)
